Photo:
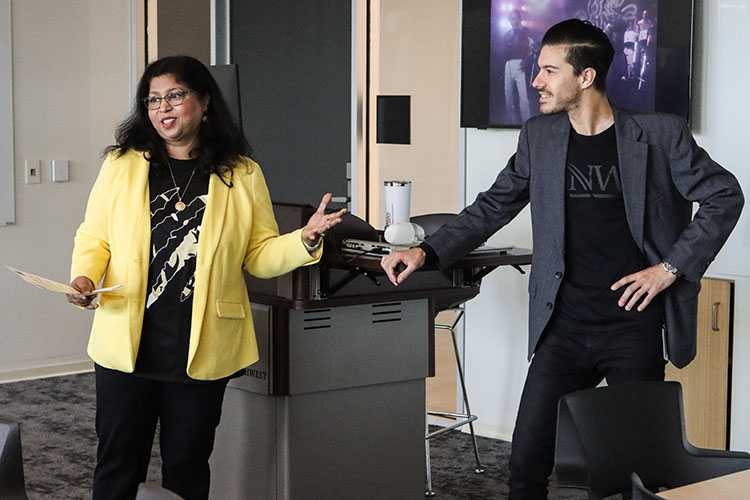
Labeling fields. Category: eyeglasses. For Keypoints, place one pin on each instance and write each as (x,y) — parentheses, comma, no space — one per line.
(173,99)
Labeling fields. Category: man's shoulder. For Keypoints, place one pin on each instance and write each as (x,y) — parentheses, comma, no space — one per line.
(653,123)
(650,118)
(542,122)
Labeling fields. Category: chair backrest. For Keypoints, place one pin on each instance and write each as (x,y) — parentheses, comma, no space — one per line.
(640,492)
(152,491)
(228,80)
(432,222)
(605,434)
(12,485)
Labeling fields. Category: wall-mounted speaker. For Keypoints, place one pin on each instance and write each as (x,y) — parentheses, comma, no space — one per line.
(394,119)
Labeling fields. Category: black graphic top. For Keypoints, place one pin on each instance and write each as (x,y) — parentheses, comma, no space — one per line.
(599,247)
(163,350)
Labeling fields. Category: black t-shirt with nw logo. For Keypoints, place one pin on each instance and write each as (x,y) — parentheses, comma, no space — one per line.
(599,248)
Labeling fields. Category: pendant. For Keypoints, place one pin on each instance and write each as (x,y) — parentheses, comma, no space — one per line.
(179,206)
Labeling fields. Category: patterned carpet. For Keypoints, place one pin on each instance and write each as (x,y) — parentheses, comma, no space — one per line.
(57,434)
(59,446)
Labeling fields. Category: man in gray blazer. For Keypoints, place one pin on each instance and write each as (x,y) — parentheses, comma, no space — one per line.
(611,193)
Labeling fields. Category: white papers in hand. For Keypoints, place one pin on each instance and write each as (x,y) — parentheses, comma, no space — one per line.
(54,286)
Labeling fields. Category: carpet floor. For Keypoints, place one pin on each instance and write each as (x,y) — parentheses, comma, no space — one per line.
(59,447)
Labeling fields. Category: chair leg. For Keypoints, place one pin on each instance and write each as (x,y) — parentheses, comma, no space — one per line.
(479,469)
(461,418)
(428,492)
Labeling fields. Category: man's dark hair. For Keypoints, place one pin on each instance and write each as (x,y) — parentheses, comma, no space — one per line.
(588,47)
(220,140)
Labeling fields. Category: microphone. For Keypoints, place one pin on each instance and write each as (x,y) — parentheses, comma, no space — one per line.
(404,233)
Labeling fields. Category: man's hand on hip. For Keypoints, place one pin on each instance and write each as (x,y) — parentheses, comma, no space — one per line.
(413,259)
(649,282)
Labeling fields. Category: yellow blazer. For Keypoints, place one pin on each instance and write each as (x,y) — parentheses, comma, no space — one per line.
(238,232)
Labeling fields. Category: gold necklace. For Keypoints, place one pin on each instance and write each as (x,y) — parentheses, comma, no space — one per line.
(180,205)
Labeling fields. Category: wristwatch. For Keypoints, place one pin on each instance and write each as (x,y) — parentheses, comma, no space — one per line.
(671,269)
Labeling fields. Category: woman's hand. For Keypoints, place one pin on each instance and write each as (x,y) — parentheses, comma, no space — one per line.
(83,285)
(320,222)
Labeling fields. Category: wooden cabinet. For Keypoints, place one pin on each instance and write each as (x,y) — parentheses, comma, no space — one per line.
(706,381)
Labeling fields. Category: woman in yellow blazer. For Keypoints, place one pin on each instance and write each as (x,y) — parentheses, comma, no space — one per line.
(177,214)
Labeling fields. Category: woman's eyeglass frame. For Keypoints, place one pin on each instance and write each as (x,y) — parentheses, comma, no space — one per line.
(173,99)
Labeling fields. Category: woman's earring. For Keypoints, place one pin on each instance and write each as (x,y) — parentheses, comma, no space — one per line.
(204,119)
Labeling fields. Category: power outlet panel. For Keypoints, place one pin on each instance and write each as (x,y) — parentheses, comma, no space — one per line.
(59,170)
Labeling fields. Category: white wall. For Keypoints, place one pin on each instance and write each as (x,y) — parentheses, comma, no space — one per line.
(496,320)
(71,86)
(418,55)
(496,357)
(723,37)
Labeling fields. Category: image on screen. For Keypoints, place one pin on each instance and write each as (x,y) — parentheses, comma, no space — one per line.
(516,31)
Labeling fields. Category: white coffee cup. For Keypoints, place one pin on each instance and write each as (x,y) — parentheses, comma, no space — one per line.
(397,202)
(404,233)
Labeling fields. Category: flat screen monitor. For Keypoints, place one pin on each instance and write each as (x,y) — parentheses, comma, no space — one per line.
(501,40)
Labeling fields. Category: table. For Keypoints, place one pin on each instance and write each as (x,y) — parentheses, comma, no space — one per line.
(734,486)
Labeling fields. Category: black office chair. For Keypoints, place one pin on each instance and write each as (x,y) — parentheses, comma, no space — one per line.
(605,434)
(152,491)
(12,485)
(640,492)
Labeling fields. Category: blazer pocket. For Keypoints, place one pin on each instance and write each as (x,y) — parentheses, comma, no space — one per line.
(230,310)
(110,299)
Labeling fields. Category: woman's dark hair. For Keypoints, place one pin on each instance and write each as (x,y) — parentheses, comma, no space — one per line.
(220,140)
(588,47)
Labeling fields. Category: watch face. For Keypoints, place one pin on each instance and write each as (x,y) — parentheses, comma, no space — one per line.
(670,268)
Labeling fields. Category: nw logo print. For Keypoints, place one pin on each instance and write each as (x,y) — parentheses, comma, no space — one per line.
(599,182)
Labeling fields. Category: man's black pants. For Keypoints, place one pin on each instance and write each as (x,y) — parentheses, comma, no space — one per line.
(565,362)
(127,409)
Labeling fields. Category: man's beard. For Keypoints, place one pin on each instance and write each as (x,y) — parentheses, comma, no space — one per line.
(564,100)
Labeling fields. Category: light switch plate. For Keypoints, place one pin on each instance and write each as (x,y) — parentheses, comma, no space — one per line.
(33,174)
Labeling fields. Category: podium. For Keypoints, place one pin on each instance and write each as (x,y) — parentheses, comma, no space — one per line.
(335,407)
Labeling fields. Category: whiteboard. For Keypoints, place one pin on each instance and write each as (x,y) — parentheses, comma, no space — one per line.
(7,205)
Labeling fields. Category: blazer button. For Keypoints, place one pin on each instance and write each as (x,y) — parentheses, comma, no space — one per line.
(558,275)
(549,305)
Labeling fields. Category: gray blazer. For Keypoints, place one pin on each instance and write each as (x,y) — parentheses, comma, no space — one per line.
(663,171)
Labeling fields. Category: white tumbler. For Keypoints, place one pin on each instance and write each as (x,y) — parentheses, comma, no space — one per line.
(397,202)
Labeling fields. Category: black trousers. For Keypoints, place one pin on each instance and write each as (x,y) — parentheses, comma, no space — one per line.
(127,410)
(565,362)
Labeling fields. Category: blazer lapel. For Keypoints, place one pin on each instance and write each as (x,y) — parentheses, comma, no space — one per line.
(211,229)
(633,158)
(140,209)
(213,219)
(554,159)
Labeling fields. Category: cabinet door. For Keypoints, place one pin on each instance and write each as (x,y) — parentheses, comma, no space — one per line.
(705,381)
